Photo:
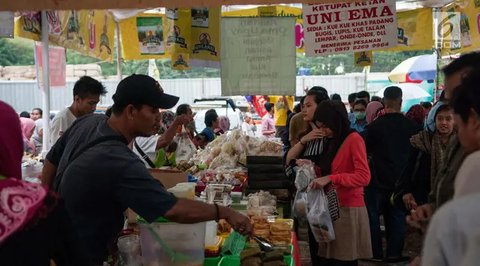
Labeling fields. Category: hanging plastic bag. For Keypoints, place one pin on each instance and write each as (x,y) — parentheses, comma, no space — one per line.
(319,217)
(185,148)
(304,175)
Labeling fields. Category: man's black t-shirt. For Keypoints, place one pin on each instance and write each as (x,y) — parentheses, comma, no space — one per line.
(100,184)
(388,142)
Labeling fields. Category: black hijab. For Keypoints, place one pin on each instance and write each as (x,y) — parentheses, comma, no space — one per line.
(333,115)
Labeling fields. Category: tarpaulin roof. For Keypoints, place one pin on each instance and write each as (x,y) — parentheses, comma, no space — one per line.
(21,5)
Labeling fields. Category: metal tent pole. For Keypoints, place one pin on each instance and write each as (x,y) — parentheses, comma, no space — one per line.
(46,86)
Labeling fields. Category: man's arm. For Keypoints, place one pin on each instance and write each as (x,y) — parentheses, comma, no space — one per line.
(190,211)
(168,136)
(48,173)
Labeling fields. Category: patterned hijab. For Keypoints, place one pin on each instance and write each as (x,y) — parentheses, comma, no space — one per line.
(416,113)
(19,200)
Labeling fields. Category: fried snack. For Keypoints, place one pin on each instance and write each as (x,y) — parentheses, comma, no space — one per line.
(273,256)
(274,263)
(252,261)
(280,226)
(261,226)
(280,240)
(223,226)
(261,232)
(281,233)
(259,220)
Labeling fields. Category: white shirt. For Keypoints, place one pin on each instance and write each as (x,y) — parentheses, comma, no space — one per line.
(248,129)
(148,146)
(451,230)
(467,180)
(60,123)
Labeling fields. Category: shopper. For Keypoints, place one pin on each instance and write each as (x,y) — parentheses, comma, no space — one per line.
(268,122)
(36,114)
(211,123)
(453,232)
(344,165)
(86,95)
(34,227)
(28,126)
(248,127)
(442,185)
(100,177)
(359,119)
(388,143)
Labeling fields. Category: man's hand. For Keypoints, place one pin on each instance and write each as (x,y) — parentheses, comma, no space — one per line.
(183,120)
(238,221)
(420,216)
(320,183)
(409,201)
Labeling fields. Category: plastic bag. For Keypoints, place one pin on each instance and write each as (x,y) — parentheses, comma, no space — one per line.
(304,175)
(185,149)
(319,217)
(300,204)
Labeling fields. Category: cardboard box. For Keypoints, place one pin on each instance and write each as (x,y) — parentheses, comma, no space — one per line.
(169,179)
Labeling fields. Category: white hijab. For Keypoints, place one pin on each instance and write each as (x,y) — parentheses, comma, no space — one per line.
(468,177)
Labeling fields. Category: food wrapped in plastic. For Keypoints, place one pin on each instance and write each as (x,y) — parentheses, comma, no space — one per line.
(223,161)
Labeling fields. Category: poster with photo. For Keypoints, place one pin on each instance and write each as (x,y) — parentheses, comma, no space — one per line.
(200,17)
(150,35)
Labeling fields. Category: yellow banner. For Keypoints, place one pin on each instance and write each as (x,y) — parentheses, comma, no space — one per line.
(459,28)
(89,32)
(177,27)
(363,59)
(205,34)
(415,30)
(180,61)
(143,37)
(280,11)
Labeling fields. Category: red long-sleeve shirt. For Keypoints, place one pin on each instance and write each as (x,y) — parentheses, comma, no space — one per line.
(350,172)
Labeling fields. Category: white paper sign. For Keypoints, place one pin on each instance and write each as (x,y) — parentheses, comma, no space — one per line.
(349,27)
(6,24)
(258,56)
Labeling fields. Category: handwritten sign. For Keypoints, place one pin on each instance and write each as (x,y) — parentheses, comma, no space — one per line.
(6,24)
(349,27)
(258,56)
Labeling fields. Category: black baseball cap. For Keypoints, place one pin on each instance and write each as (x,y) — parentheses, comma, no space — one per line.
(143,89)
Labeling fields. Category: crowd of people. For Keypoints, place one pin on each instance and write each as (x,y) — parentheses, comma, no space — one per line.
(416,169)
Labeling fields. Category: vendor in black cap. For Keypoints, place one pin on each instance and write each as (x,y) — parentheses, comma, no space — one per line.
(99,177)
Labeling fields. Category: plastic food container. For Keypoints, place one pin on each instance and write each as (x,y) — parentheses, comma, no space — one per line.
(187,241)
(183,190)
(213,250)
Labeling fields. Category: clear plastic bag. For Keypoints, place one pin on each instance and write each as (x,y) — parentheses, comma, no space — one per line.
(300,204)
(319,217)
(304,175)
(185,148)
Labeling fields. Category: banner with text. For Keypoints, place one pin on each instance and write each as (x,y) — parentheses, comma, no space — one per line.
(258,56)
(56,65)
(349,27)
(459,27)
(279,11)
(205,49)
(414,30)
(89,32)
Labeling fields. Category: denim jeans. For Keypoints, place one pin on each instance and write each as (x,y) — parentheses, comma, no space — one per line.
(378,203)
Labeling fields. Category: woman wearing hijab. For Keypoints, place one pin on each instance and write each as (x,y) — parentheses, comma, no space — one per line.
(343,165)
(373,109)
(34,227)
(223,125)
(426,158)
(37,138)
(416,113)
(28,126)
(453,231)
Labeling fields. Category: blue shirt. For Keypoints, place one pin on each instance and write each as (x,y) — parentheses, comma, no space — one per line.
(209,133)
(359,127)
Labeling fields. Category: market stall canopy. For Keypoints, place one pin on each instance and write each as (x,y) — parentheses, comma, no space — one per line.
(22,5)
(415,69)
(410,91)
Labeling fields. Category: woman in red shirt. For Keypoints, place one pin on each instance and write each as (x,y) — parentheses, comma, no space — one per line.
(344,165)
